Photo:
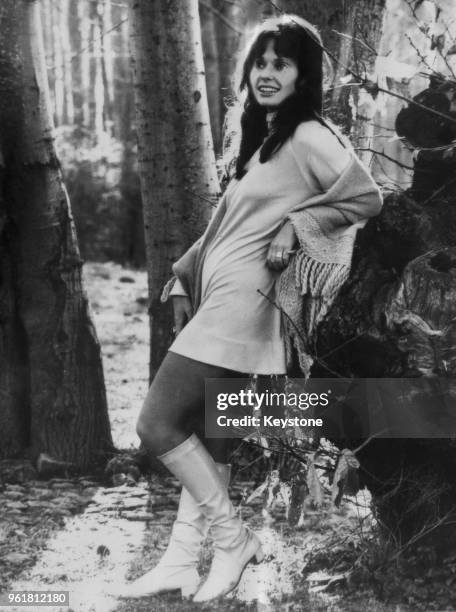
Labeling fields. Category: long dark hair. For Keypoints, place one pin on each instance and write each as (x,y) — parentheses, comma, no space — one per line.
(297,39)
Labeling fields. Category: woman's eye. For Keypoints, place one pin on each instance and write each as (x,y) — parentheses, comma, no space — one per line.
(280,65)
(259,63)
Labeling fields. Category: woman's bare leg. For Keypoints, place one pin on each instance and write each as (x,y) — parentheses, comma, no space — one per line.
(175,405)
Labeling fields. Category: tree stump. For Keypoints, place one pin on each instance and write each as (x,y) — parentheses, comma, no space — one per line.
(396,317)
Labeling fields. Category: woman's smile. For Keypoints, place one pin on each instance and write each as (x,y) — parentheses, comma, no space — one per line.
(267,90)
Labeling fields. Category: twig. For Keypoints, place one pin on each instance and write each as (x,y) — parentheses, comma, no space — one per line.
(346,342)
(221,17)
(369,439)
(447,147)
(368,45)
(386,156)
(439,190)
(92,42)
(418,52)
(201,197)
(354,39)
(314,357)
(426,530)
(424,31)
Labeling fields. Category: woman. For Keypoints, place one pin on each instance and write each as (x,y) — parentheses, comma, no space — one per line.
(295,186)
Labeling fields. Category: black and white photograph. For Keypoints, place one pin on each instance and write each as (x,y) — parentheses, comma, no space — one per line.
(228,305)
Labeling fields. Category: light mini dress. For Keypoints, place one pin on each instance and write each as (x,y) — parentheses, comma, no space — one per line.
(237,325)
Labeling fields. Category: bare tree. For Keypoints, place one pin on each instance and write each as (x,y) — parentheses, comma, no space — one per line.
(52,395)
(176,160)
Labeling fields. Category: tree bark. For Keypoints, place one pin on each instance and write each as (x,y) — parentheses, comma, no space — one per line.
(396,318)
(53,386)
(96,70)
(105,24)
(212,70)
(75,44)
(67,66)
(366,24)
(176,160)
(58,66)
(85,64)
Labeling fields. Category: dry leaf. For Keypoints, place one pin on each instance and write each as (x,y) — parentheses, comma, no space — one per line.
(313,482)
(345,478)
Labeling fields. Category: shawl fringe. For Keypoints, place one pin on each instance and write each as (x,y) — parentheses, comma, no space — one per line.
(305,295)
(319,278)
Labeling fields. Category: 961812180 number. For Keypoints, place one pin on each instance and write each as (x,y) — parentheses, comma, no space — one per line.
(35,598)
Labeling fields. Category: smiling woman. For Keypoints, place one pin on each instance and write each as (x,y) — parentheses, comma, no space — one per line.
(295,198)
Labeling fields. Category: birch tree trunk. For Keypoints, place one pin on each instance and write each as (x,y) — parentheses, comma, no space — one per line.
(67,67)
(176,160)
(58,65)
(96,71)
(51,381)
(366,23)
(105,23)
(85,63)
(230,31)
(212,69)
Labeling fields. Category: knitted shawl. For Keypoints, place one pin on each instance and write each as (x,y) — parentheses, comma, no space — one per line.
(325,225)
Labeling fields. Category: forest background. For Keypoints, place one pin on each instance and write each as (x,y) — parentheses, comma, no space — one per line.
(97,57)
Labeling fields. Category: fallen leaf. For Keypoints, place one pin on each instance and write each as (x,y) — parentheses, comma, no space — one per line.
(345,478)
(313,482)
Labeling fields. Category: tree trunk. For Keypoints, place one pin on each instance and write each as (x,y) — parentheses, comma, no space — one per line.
(52,388)
(105,23)
(212,70)
(176,160)
(67,66)
(366,24)
(388,322)
(74,45)
(58,65)
(85,64)
(96,70)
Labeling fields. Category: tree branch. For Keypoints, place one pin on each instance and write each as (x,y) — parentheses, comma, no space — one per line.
(400,164)
(220,16)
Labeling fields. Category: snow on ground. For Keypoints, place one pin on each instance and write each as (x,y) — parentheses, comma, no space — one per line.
(118,298)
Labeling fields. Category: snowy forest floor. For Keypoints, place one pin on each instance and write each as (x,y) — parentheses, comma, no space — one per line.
(85,536)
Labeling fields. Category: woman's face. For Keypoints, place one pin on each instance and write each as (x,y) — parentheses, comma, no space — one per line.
(273,78)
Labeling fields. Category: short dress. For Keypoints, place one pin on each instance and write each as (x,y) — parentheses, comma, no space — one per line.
(238,324)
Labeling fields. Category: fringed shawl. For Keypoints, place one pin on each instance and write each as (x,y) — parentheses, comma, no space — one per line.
(326,226)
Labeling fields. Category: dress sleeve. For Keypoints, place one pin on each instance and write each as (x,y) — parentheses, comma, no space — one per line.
(320,152)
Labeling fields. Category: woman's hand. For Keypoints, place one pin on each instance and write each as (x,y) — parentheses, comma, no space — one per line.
(183,312)
(282,247)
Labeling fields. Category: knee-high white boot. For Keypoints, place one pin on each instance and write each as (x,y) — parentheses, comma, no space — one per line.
(177,569)
(235,545)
